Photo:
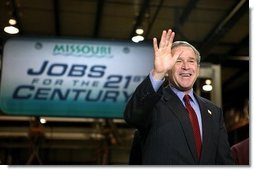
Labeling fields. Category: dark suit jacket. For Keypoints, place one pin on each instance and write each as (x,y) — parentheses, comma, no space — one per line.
(167,137)
(135,157)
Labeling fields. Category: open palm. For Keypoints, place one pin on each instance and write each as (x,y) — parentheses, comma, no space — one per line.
(163,58)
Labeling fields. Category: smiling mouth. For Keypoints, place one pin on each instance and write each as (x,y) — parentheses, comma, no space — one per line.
(185,74)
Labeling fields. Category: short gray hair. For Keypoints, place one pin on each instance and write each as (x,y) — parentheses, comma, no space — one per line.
(185,43)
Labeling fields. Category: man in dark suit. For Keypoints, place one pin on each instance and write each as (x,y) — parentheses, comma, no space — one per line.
(164,118)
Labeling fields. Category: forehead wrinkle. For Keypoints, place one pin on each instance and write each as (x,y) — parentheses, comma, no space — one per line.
(189,57)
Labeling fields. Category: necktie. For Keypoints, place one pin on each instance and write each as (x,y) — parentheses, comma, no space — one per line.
(194,123)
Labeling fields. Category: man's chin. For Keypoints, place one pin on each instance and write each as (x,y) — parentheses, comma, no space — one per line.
(181,88)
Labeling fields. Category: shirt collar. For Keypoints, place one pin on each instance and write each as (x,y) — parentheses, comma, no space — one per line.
(181,94)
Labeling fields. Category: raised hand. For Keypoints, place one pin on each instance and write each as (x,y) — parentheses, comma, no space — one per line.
(163,58)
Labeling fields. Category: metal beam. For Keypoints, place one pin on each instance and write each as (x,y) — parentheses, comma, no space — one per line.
(185,14)
(228,21)
(56,17)
(179,22)
(16,16)
(140,17)
(97,23)
(243,44)
(233,78)
(154,18)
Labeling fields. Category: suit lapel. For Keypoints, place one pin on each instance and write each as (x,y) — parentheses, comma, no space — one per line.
(177,108)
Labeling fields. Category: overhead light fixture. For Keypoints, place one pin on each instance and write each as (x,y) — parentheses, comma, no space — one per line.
(11,29)
(139,35)
(42,121)
(139,31)
(137,38)
(12,22)
(207,86)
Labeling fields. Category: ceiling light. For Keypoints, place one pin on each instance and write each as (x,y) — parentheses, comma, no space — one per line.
(11,29)
(137,38)
(208,81)
(43,121)
(12,22)
(139,31)
(207,86)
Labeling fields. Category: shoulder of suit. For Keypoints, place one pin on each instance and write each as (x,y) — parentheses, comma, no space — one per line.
(208,102)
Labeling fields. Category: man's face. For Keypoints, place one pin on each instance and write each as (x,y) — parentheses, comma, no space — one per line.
(186,69)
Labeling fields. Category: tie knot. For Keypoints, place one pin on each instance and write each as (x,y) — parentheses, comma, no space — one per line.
(186,98)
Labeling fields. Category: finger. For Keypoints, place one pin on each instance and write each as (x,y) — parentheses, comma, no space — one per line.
(168,36)
(155,44)
(163,39)
(171,39)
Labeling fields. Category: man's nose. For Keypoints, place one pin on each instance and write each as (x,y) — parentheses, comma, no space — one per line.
(185,65)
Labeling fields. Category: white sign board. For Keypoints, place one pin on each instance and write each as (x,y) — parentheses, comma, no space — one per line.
(76,78)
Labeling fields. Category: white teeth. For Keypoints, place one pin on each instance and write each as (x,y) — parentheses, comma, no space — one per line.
(185,74)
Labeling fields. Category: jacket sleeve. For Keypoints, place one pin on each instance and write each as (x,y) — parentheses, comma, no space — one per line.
(138,111)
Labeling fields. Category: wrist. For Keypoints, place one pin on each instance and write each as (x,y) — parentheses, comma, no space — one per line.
(158,76)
